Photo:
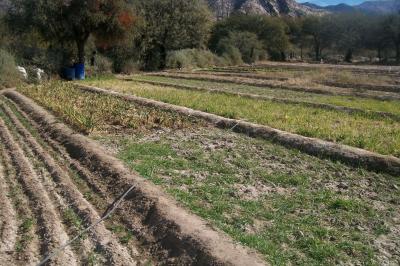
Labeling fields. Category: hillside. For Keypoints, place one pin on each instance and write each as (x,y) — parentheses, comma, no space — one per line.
(223,8)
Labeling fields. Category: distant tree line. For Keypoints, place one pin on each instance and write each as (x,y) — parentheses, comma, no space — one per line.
(154,34)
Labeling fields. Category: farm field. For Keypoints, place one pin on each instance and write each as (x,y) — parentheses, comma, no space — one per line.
(347,101)
(196,133)
(306,67)
(381,135)
(294,84)
(55,185)
(47,198)
(291,207)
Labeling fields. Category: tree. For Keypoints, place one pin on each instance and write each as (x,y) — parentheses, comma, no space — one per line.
(374,37)
(69,21)
(171,25)
(322,32)
(296,34)
(272,32)
(246,42)
(391,29)
(350,33)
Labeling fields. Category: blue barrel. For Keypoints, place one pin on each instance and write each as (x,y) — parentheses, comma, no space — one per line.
(69,73)
(80,71)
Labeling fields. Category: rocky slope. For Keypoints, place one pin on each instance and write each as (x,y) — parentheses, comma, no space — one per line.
(369,7)
(223,8)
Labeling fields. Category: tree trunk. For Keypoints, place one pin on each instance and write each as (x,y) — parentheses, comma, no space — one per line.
(397,52)
(301,52)
(317,51)
(349,56)
(380,54)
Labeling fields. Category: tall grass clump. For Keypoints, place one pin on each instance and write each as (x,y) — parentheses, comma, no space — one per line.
(9,75)
(193,58)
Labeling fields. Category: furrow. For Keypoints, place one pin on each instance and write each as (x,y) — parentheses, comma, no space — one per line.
(115,253)
(325,106)
(84,246)
(313,146)
(26,250)
(97,185)
(8,219)
(184,237)
(54,234)
(380,95)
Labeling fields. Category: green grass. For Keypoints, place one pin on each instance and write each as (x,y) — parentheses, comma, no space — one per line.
(298,220)
(347,101)
(378,135)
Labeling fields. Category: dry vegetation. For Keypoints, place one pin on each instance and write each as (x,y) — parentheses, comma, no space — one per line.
(291,207)
(377,134)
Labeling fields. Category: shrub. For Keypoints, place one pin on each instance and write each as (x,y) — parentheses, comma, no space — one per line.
(247,43)
(129,66)
(232,55)
(102,66)
(192,58)
(9,75)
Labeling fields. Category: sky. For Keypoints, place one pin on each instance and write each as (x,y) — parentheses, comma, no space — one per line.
(333,2)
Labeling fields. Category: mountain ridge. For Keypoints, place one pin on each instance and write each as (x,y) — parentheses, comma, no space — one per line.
(223,8)
(367,7)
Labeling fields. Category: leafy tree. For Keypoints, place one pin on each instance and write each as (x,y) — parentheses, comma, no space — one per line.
(251,49)
(296,34)
(272,32)
(322,32)
(350,33)
(374,37)
(391,29)
(73,21)
(171,25)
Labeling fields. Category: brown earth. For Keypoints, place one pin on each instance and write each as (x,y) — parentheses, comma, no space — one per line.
(60,172)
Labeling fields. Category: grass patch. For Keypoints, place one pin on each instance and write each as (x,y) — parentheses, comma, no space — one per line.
(274,200)
(346,101)
(382,136)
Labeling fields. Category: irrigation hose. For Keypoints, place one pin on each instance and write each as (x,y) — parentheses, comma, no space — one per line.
(107,214)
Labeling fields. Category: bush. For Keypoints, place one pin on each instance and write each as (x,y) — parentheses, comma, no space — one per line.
(192,58)
(102,66)
(9,75)
(246,43)
(129,66)
(232,55)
